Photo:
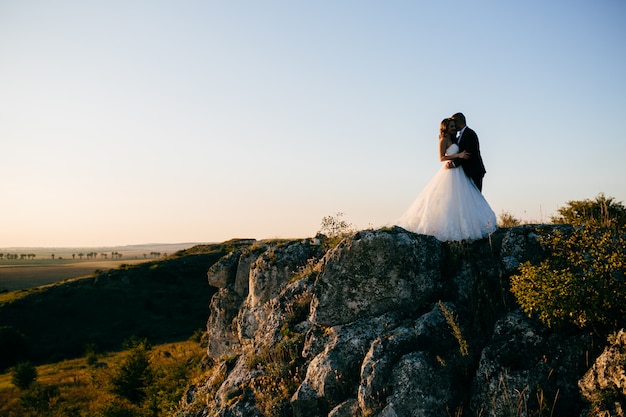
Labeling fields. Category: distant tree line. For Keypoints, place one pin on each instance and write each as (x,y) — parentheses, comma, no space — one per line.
(94,255)
(20,256)
(80,255)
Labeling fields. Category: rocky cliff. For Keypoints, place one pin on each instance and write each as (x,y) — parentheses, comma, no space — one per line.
(390,323)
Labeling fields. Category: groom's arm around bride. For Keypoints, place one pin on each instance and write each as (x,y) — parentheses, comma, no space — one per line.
(468,141)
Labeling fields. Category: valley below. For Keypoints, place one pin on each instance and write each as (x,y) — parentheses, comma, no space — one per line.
(24,268)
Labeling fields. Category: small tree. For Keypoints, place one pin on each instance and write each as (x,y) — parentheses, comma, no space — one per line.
(506,219)
(334,228)
(23,375)
(91,355)
(134,374)
(603,211)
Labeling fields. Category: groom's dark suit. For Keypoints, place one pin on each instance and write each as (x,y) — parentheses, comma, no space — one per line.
(473,166)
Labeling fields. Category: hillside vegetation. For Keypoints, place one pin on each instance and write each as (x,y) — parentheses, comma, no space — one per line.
(102,385)
(581,280)
(161,301)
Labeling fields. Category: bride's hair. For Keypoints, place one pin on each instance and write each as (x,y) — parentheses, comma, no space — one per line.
(444,128)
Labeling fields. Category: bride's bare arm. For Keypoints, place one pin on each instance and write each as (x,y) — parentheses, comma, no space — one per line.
(443,145)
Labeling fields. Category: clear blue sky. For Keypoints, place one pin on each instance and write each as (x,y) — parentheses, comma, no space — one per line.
(125,122)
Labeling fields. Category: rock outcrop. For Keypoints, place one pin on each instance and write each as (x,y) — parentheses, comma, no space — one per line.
(604,385)
(388,323)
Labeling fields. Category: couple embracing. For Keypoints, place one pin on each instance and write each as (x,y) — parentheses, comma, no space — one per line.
(451,206)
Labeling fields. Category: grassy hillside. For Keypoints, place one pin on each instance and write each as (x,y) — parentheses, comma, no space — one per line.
(161,301)
(78,387)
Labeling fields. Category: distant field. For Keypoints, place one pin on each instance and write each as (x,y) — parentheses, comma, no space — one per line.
(19,277)
(44,268)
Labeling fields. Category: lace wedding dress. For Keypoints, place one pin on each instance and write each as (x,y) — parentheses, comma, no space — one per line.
(450,207)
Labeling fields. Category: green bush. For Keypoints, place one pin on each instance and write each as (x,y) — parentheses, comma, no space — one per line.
(43,401)
(581,281)
(23,375)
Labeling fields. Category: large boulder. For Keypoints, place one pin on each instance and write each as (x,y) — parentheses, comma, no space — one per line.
(528,366)
(333,375)
(604,385)
(268,276)
(375,272)
(222,327)
(413,370)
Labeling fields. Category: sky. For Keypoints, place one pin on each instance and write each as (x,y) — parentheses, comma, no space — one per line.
(129,122)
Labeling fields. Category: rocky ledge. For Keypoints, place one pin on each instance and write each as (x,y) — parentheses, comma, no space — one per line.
(391,323)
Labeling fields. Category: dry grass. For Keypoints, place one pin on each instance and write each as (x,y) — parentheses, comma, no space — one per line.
(86,386)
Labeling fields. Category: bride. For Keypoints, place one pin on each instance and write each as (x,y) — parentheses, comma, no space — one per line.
(450,207)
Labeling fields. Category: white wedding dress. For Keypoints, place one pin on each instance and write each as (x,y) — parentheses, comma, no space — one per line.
(450,207)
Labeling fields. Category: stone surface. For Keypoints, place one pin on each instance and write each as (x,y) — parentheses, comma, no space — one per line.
(390,323)
(604,384)
(376,272)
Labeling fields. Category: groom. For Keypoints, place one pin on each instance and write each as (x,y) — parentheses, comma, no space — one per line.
(467,140)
